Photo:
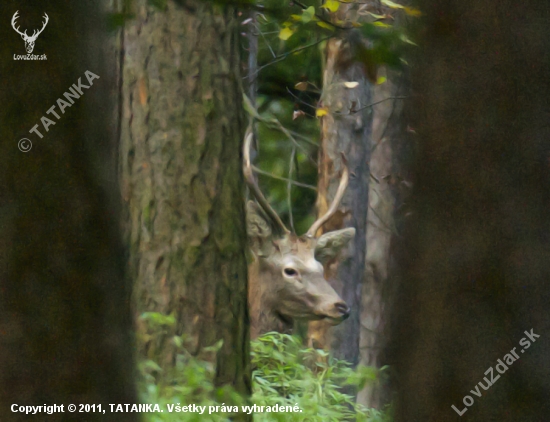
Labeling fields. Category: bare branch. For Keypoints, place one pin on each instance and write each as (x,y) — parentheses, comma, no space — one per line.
(299,99)
(284,179)
(377,102)
(289,188)
(283,56)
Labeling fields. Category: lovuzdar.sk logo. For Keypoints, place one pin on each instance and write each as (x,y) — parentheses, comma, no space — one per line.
(29,39)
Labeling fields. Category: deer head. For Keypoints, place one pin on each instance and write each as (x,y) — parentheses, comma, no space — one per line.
(290,274)
(29,40)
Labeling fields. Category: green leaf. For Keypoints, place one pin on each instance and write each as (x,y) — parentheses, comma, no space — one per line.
(332,5)
(406,39)
(177,341)
(391,4)
(249,108)
(286,33)
(308,14)
(412,12)
(325,25)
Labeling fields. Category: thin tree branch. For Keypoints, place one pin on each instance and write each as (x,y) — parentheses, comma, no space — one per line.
(300,100)
(274,123)
(273,176)
(321,18)
(304,138)
(397,90)
(386,225)
(378,102)
(289,188)
(265,39)
(285,55)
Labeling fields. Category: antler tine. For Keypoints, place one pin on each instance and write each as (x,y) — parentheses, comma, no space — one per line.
(253,185)
(47,19)
(335,203)
(13,19)
(44,24)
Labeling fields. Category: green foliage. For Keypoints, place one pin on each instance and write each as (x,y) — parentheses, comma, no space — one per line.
(116,21)
(188,382)
(285,373)
(158,4)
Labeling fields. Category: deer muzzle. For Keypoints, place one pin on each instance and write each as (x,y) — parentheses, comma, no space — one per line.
(339,312)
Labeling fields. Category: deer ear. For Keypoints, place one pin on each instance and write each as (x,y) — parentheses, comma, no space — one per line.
(330,244)
(258,229)
(256,222)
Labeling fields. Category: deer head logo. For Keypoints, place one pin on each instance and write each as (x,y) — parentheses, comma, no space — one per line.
(29,40)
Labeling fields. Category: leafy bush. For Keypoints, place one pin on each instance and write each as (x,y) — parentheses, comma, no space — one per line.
(285,373)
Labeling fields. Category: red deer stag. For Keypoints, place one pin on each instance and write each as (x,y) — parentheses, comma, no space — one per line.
(286,276)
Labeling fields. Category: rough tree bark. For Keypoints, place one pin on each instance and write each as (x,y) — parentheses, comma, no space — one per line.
(475,272)
(345,129)
(64,307)
(181,163)
(379,289)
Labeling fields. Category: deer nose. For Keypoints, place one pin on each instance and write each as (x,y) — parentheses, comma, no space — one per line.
(343,308)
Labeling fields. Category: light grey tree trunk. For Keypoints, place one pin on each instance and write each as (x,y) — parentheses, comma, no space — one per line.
(345,129)
(378,290)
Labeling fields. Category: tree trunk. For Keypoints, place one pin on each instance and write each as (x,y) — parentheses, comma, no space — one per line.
(64,307)
(378,291)
(181,160)
(344,130)
(475,272)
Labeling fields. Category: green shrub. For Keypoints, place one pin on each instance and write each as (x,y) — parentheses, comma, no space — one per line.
(284,373)
(287,373)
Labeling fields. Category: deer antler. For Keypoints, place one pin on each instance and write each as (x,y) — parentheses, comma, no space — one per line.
(43,26)
(13,25)
(35,33)
(335,203)
(253,185)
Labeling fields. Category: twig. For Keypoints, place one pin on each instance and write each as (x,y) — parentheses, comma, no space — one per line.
(389,228)
(285,55)
(377,102)
(289,188)
(265,39)
(397,90)
(304,138)
(274,123)
(300,100)
(273,176)
(304,7)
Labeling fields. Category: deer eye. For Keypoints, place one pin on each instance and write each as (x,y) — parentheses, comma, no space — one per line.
(291,272)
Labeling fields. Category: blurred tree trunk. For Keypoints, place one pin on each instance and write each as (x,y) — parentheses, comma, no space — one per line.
(181,167)
(475,272)
(64,305)
(345,129)
(379,290)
